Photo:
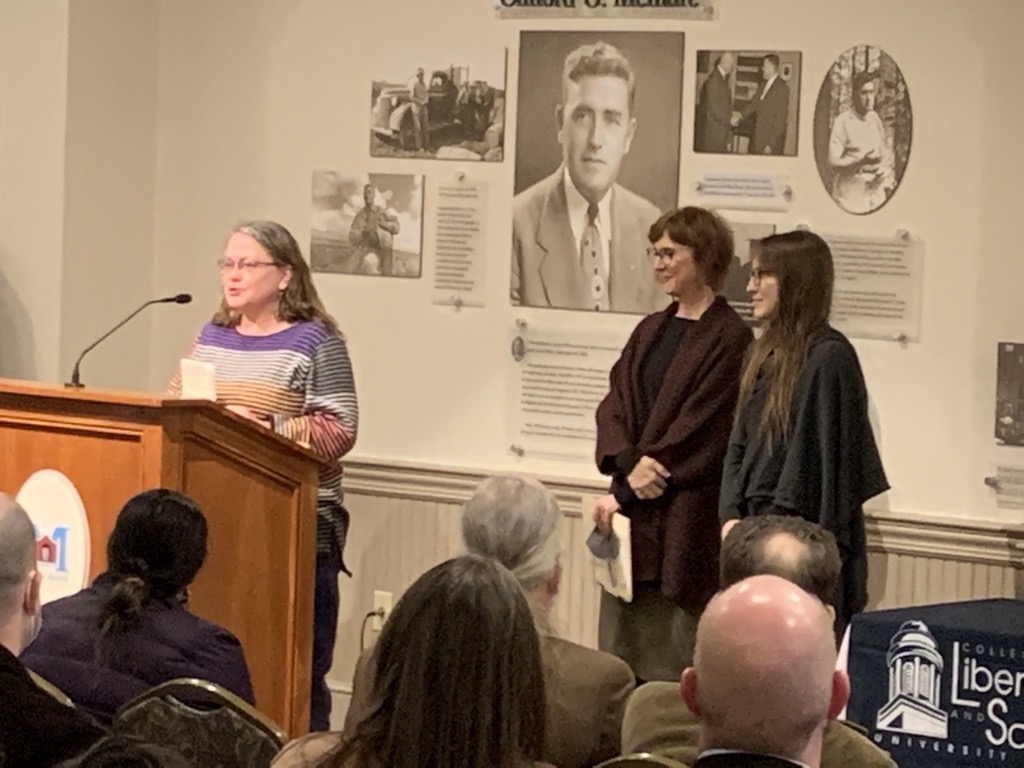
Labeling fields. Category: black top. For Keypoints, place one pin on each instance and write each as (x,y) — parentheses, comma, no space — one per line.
(652,374)
(36,730)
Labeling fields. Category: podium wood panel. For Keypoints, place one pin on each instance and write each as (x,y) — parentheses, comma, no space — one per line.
(256,489)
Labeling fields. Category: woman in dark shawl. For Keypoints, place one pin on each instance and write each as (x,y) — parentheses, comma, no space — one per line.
(662,432)
(802,443)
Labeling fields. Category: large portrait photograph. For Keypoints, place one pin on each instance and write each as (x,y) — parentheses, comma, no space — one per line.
(596,163)
(748,103)
(863,127)
(367,224)
(439,104)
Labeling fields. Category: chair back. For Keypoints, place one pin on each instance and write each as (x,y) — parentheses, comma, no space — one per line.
(641,760)
(51,689)
(204,723)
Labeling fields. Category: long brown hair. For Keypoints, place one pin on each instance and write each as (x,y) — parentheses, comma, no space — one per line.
(299,301)
(457,676)
(801,262)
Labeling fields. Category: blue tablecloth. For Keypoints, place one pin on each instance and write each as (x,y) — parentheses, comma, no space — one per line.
(939,686)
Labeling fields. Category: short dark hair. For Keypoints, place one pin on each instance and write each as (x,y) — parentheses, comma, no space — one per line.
(860,79)
(816,571)
(774,59)
(704,232)
(598,59)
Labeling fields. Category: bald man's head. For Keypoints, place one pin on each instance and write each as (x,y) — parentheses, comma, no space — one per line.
(764,678)
(19,580)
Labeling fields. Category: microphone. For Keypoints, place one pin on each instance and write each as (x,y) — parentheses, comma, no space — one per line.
(181,298)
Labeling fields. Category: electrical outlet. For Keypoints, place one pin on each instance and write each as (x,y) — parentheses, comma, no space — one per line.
(381,602)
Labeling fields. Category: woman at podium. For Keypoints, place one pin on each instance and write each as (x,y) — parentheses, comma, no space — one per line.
(279,359)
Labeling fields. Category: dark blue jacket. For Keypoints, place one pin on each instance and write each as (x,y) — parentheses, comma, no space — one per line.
(102,675)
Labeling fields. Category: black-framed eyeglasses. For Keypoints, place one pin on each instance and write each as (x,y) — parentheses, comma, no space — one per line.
(757,274)
(226,265)
(661,254)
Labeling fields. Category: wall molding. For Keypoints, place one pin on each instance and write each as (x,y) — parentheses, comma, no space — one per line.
(892,532)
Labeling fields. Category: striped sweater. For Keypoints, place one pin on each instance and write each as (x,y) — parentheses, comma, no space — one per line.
(301,379)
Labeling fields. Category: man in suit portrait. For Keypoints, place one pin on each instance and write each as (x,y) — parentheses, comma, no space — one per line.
(578,237)
(714,112)
(769,111)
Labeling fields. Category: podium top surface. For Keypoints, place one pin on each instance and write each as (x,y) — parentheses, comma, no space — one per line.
(80,394)
(95,399)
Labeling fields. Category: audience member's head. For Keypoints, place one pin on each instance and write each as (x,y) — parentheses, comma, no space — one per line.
(515,520)
(457,675)
(763,678)
(155,551)
(783,545)
(20,609)
(127,752)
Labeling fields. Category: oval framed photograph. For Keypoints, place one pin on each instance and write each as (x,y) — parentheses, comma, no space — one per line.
(863,129)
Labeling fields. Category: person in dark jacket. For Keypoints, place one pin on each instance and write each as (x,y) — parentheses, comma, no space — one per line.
(131,629)
(662,431)
(802,443)
(36,730)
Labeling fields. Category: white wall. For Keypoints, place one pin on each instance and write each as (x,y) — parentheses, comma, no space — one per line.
(109,185)
(252,103)
(33,91)
(78,95)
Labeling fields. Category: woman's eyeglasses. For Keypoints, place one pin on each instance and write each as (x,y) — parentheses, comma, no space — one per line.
(758,273)
(661,254)
(226,265)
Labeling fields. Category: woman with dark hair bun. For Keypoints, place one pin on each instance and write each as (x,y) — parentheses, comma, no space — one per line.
(131,629)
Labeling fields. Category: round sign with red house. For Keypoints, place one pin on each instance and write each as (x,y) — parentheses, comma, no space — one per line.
(62,533)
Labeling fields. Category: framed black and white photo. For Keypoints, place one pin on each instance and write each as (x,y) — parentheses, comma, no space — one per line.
(367,224)
(748,103)
(597,162)
(440,104)
(1010,394)
(863,129)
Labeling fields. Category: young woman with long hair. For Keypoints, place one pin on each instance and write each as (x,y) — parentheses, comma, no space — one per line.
(802,443)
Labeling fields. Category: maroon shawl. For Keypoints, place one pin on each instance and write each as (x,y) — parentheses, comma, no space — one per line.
(676,538)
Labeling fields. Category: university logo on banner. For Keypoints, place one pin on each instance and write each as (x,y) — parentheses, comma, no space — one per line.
(941,696)
(915,690)
(62,533)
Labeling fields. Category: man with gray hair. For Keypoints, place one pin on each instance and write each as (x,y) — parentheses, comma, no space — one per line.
(35,729)
(517,521)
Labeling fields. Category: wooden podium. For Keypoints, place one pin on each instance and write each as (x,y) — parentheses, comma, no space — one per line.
(257,490)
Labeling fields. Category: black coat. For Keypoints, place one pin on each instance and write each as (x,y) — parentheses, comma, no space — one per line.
(36,730)
(826,469)
(714,131)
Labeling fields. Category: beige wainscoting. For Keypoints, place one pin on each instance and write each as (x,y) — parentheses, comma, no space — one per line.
(405,519)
